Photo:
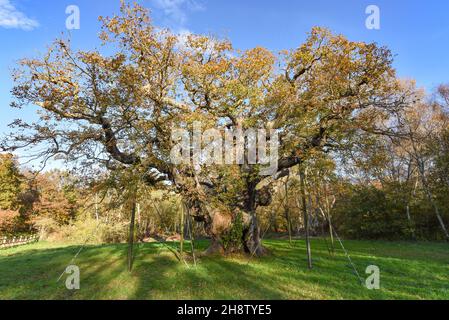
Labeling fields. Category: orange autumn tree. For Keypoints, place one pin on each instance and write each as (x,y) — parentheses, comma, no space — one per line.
(117,112)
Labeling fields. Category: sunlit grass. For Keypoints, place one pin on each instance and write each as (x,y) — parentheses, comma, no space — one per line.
(408,271)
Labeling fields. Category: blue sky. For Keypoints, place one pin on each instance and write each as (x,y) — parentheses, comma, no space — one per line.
(416,31)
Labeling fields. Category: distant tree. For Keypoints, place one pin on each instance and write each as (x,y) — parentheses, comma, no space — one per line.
(367,212)
(421,126)
(57,198)
(10,183)
(9,221)
(408,164)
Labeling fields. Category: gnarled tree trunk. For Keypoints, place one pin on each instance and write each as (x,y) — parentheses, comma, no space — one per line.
(220,223)
(237,221)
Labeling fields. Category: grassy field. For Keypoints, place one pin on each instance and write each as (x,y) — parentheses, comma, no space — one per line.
(408,271)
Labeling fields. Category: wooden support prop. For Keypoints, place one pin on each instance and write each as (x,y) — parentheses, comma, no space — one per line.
(306,218)
(131,233)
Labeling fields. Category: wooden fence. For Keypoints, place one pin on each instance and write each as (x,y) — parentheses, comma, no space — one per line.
(8,242)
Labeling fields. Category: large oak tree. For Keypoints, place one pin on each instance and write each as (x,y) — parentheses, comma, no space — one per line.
(118,111)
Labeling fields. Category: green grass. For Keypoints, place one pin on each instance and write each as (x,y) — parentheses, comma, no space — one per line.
(408,271)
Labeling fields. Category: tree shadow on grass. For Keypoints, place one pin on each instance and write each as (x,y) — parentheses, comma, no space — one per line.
(33,274)
(402,277)
(157,274)
(212,278)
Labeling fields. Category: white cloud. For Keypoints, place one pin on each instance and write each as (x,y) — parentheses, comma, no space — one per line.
(11,18)
(176,10)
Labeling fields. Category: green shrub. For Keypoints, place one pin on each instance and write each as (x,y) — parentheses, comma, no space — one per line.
(86,230)
(367,212)
(232,239)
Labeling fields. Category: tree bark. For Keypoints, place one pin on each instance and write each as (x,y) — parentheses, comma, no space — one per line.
(191,233)
(182,224)
(407,209)
(218,223)
(252,241)
(251,237)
